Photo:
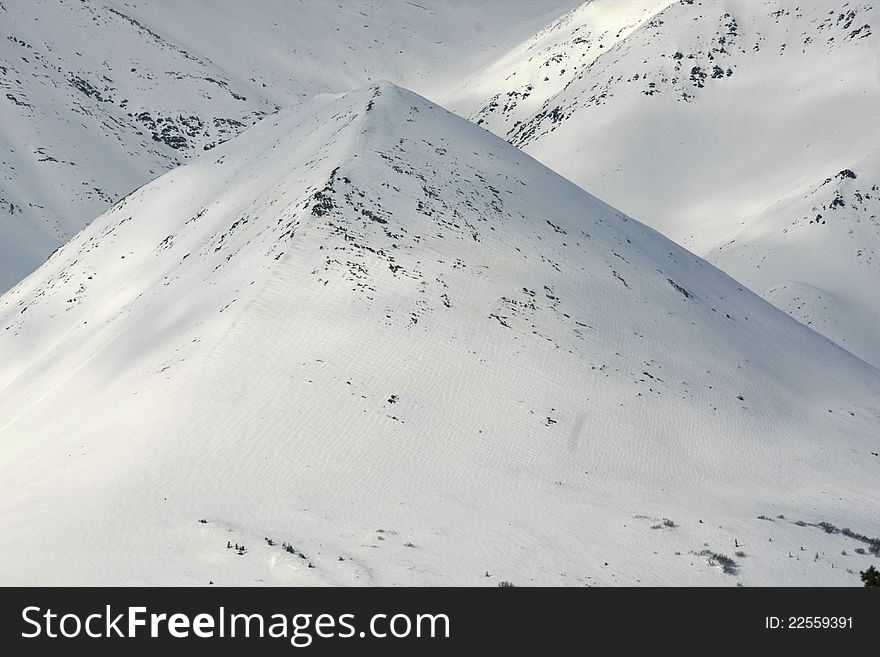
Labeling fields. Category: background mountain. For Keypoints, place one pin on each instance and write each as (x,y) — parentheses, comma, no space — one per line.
(372,343)
(98,97)
(713,122)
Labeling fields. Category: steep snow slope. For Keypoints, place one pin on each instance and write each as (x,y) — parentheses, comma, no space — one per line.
(98,97)
(373,331)
(520,82)
(704,121)
(816,255)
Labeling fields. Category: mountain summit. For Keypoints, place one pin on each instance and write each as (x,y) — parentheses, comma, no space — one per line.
(98,97)
(368,342)
(724,124)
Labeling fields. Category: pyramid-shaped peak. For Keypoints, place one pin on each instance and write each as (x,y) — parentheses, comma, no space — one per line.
(386,317)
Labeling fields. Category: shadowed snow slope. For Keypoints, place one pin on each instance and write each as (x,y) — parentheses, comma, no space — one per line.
(816,254)
(712,121)
(376,332)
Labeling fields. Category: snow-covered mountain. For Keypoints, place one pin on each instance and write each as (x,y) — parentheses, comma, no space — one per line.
(371,337)
(98,97)
(821,247)
(715,121)
(518,85)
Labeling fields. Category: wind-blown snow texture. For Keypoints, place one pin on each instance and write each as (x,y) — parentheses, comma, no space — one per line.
(743,129)
(376,333)
(98,97)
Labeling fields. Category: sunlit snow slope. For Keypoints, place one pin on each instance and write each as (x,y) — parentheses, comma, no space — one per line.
(715,121)
(98,97)
(374,332)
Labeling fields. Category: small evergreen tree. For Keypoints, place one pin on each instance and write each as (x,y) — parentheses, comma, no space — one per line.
(871,576)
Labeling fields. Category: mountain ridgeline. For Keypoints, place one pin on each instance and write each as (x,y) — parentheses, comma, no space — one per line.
(374,333)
